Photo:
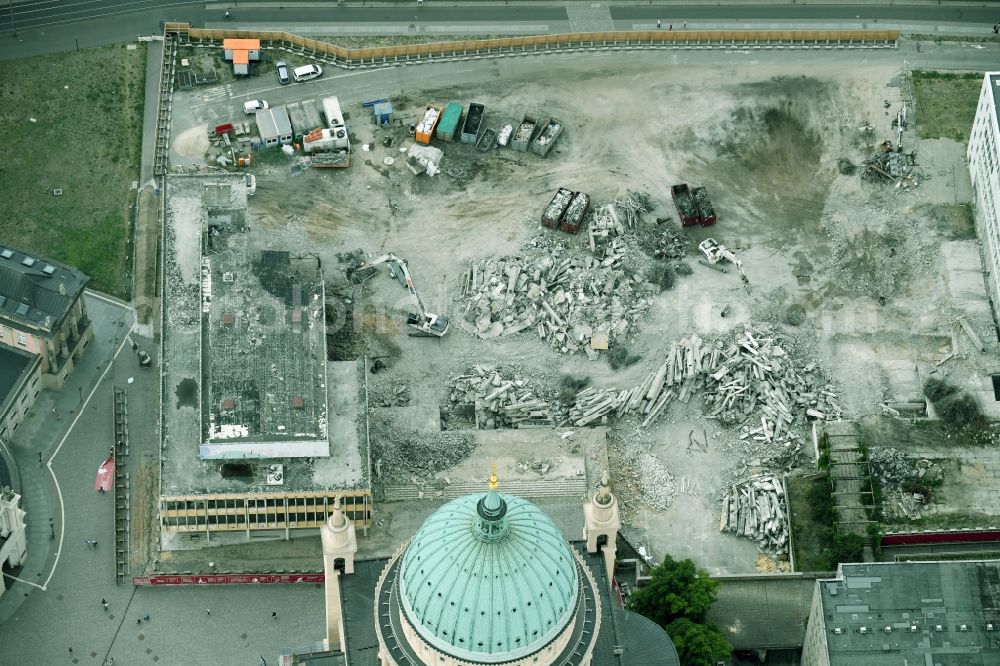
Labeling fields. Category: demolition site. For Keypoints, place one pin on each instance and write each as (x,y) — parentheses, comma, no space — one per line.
(775,288)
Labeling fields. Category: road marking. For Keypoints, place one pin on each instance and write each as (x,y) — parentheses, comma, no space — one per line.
(79,413)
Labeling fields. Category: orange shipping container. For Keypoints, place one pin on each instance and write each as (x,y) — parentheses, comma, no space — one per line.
(427,124)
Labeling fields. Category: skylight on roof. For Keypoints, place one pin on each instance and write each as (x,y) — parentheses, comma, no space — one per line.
(22,309)
(49,269)
(7,254)
(28,261)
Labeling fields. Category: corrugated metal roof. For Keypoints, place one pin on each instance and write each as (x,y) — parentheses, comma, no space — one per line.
(273,123)
(47,295)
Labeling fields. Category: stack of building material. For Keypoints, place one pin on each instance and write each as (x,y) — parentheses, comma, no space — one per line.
(752,381)
(567,300)
(500,401)
(756,508)
(616,219)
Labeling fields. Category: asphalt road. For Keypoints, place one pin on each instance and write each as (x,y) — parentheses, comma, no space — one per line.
(92,22)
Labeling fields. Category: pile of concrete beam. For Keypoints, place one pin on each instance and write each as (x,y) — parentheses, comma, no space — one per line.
(573,303)
(757,509)
(755,378)
(752,381)
(499,401)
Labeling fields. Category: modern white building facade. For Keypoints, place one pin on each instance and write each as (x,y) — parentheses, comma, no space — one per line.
(983,157)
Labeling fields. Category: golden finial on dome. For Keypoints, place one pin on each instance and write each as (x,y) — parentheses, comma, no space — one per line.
(494,481)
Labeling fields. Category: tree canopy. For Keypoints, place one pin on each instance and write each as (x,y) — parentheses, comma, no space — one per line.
(698,644)
(676,590)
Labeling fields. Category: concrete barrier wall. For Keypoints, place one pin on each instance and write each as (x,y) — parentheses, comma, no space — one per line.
(367,57)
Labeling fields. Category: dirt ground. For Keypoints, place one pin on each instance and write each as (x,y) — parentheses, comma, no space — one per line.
(862,260)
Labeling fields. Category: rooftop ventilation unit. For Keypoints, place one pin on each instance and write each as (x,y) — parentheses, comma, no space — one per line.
(888,629)
(838,630)
(7,254)
(938,627)
(913,628)
(989,627)
(22,309)
(49,269)
(28,261)
(864,630)
(963,627)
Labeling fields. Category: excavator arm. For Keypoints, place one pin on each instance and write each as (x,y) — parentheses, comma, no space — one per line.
(425,322)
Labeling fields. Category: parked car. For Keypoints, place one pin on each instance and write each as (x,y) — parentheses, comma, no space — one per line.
(253,106)
(307,72)
(282,68)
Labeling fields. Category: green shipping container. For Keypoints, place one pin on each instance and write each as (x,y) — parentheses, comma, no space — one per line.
(451,119)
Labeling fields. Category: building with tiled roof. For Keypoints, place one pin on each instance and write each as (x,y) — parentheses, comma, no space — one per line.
(42,312)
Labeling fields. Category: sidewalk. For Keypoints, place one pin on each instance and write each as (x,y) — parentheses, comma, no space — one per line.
(42,433)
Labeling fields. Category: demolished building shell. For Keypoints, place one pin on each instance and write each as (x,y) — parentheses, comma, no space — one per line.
(251,444)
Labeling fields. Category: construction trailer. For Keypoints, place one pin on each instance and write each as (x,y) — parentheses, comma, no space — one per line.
(335,123)
(304,116)
(274,127)
(473,123)
(424,130)
(547,137)
(241,52)
(451,119)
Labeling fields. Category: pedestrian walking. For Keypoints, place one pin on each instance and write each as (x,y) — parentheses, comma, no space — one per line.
(71,650)
(138,620)
(670,27)
(40,453)
(104,602)
(684,27)
(274,615)
(101,490)
(658,24)
(208,611)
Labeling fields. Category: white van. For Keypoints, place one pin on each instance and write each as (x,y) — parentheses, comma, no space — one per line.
(307,72)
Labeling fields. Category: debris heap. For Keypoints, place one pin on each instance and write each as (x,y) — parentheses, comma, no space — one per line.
(499,401)
(892,167)
(617,218)
(757,509)
(574,303)
(751,381)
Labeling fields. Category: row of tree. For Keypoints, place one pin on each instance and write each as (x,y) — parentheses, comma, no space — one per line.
(678,598)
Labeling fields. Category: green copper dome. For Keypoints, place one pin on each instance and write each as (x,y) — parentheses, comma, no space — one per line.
(488,578)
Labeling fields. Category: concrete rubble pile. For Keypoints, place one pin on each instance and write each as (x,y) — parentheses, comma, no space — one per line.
(756,508)
(668,244)
(899,476)
(615,219)
(752,381)
(500,401)
(890,166)
(635,467)
(399,454)
(575,303)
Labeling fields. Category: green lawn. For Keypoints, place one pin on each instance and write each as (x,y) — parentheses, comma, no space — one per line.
(73,121)
(946,103)
(812,534)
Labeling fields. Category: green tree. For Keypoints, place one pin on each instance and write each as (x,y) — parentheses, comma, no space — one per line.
(676,590)
(698,644)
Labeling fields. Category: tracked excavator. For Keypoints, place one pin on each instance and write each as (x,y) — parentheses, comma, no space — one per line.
(422,322)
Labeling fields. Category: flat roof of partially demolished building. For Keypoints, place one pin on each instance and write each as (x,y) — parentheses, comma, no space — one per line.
(245,373)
